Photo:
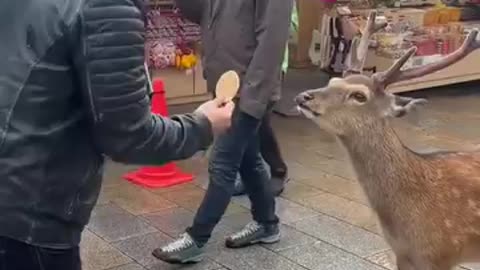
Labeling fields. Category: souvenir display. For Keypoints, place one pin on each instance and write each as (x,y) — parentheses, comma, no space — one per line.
(170,39)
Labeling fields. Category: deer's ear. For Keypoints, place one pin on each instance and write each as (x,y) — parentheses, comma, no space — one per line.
(401,106)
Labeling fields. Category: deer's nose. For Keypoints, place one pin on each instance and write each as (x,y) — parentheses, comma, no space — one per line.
(303,97)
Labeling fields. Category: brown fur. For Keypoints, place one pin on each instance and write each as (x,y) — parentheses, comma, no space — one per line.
(428,204)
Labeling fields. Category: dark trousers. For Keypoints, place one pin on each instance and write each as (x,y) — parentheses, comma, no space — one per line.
(236,151)
(270,149)
(15,255)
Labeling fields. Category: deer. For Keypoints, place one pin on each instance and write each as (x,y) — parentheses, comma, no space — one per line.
(427,204)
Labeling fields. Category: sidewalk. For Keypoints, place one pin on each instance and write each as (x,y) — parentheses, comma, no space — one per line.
(326,221)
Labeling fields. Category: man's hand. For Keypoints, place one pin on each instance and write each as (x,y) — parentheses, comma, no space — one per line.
(219,113)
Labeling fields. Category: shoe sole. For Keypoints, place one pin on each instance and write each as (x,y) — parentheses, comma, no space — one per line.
(192,260)
(265,240)
(269,240)
(195,259)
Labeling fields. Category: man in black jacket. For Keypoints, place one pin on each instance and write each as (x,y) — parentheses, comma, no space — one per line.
(73,89)
(248,36)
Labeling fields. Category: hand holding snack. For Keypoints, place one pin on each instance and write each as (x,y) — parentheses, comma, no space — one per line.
(219,111)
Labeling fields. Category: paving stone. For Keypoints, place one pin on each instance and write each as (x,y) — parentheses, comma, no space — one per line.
(294,190)
(343,235)
(336,167)
(194,204)
(140,249)
(449,145)
(339,186)
(174,188)
(290,238)
(255,257)
(290,212)
(340,208)
(97,254)
(134,199)
(322,256)
(114,172)
(449,126)
(131,266)
(206,264)
(114,224)
(331,150)
(172,221)
(242,200)
(385,259)
(190,197)
(287,211)
(236,221)
(473,266)
(202,181)
(187,193)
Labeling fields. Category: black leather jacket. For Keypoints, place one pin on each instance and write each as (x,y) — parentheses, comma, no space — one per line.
(72,89)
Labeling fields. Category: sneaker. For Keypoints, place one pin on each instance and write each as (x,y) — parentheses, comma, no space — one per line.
(254,233)
(184,250)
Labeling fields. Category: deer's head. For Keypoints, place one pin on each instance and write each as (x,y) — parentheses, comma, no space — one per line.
(357,100)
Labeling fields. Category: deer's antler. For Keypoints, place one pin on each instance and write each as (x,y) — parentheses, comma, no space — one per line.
(395,74)
(359,50)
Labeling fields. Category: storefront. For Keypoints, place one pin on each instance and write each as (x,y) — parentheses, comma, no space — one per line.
(323,39)
(174,53)
(434,28)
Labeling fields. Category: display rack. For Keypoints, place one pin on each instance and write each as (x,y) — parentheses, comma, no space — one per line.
(423,24)
(463,71)
(167,33)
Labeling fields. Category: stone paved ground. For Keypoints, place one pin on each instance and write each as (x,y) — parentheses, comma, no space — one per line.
(326,221)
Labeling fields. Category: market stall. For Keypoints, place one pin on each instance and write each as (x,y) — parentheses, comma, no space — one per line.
(434,28)
(173,53)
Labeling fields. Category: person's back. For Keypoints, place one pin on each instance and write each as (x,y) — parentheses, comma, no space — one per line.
(72,89)
(48,163)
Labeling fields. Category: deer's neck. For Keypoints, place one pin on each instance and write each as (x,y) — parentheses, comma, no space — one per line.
(384,166)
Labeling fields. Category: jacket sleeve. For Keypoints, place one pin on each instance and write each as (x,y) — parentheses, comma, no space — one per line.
(272,25)
(191,9)
(109,58)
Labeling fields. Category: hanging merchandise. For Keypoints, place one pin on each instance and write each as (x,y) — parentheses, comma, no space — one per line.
(325,42)
(170,38)
(338,29)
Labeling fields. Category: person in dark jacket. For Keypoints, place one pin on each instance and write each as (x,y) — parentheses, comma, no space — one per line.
(249,37)
(73,89)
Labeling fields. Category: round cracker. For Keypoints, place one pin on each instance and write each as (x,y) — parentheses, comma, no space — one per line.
(227,86)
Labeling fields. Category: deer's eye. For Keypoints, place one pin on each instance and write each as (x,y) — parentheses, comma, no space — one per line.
(358,96)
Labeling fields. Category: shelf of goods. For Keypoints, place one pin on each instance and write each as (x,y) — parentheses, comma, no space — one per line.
(173,53)
(435,32)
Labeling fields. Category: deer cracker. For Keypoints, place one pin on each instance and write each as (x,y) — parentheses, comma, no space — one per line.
(428,205)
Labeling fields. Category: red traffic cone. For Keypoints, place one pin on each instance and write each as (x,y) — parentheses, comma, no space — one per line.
(165,175)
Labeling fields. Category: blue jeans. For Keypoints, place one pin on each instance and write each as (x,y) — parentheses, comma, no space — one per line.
(236,151)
